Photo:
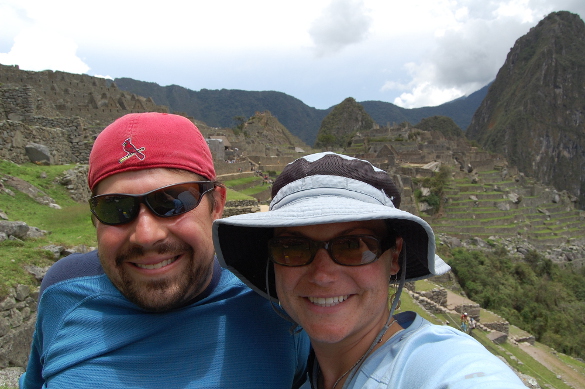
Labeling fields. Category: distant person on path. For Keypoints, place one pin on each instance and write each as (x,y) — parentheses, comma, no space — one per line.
(471,324)
(464,322)
(326,251)
(152,308)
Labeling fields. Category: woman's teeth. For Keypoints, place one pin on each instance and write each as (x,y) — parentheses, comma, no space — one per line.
(328,301)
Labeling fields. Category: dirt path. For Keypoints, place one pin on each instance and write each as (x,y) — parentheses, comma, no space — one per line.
(555,365)
(547,359)
(454,300)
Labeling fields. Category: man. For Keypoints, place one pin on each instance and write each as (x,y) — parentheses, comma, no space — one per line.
(152,308)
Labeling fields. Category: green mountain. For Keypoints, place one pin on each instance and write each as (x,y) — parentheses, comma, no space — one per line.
(218,108)
(342,123)
(442,124)
(534,112)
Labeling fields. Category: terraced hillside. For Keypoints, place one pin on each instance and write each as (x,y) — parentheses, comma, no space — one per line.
(496,204)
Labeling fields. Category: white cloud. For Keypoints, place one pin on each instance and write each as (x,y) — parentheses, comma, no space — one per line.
(419,91)
(467,55)
(36,49)
(426,95)
(342,23)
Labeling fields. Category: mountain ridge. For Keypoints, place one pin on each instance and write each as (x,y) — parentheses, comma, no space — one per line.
(218,108)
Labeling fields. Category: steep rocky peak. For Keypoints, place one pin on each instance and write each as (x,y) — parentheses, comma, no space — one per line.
(534,111)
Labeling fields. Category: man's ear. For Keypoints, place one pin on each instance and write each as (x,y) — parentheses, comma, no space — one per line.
(219,198)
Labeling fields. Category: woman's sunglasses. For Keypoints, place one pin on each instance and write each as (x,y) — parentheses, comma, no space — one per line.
(168,201)
(349,250)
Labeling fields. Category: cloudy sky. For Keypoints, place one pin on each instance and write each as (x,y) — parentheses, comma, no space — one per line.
(412,53)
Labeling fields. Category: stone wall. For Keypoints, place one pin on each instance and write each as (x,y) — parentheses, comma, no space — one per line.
(68,140)
(434,301)
(438,295)
(66,94)
(238,207)
(222,168)
(269,161)
(75,180)
(17,102)
(472,310)
(14,136)
(500,326)
(59,110)
(17,322)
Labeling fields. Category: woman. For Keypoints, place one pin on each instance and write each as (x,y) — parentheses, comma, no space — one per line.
(325,252)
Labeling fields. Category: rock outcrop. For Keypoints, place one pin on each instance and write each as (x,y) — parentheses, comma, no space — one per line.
(533,113)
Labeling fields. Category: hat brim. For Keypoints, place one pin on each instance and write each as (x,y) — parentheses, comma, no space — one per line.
(241,241)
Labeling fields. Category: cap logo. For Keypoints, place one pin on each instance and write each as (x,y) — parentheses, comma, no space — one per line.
(131,151)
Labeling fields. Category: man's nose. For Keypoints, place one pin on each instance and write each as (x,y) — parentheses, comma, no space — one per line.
(148,229)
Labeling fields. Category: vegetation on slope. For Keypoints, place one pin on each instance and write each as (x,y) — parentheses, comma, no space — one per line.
(442,124)
(342,123)
(535,295)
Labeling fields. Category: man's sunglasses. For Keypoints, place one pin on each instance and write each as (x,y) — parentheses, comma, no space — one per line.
(168,201)
(350,250)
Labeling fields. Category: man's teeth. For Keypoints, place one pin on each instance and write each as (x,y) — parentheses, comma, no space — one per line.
(328,301)
(156,265)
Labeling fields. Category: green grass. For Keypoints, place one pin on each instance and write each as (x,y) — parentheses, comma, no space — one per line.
(17,254)
(578,366)
(240,181)
(69,226)
(425,285)
(232,195)
(254,189)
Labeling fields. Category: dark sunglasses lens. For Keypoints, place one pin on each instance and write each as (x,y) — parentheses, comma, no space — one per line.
(355,250)
(290,251)
(115,209)
(174,200)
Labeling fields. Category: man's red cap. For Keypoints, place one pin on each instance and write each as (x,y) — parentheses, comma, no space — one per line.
(146,141)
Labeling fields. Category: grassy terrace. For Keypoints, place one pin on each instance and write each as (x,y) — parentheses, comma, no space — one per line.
(546,222)
(247,186)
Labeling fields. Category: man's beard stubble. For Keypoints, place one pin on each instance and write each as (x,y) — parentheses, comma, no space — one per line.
(163,294)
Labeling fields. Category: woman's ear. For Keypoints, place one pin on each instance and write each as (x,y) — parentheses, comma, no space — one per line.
(395,264)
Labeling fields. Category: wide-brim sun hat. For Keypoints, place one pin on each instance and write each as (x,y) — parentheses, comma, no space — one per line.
(323,188)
